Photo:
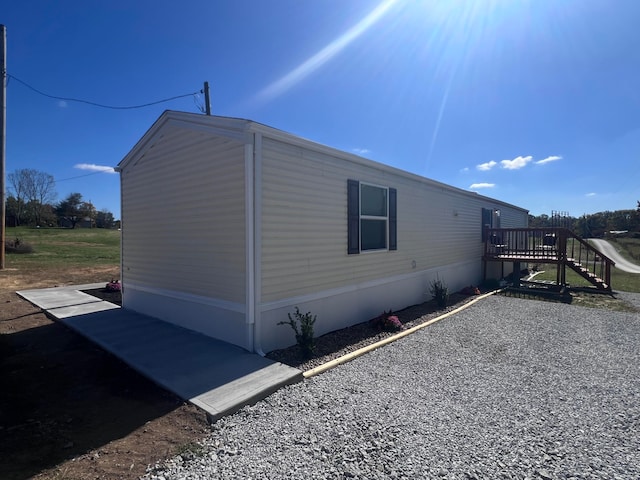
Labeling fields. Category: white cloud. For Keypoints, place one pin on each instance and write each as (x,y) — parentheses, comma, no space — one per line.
(361,151)
(475,186)
(486,166)
(591,194)
(465,170)
(94,168)
(517,163)
(62,104)
(549,159)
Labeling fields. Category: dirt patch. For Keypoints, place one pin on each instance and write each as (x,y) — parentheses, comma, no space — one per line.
(12,280)
(70,410)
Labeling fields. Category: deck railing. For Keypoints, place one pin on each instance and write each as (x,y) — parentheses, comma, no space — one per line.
(549,245)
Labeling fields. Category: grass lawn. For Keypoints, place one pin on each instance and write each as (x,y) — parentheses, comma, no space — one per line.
(61,257)
(62,247)
(623,281)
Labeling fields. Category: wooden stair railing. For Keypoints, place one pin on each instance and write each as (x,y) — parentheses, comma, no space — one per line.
(589,262)
(559,246)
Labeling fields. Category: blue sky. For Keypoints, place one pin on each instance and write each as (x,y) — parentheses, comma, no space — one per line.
(536,103)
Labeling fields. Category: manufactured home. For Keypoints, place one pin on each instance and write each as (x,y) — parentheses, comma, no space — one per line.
(228,225)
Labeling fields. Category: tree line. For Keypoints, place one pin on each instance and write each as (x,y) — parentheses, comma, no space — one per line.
(32,202)
(596,225)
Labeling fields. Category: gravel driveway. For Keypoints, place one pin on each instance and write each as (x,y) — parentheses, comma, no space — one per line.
(508,388)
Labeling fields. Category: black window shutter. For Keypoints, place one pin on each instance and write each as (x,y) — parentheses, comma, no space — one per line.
(393,219)
(353,216)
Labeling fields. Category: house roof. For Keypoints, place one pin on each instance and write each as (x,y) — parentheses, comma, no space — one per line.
(243,130)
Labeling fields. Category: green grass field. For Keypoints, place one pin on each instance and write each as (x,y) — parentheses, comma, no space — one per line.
(58,247)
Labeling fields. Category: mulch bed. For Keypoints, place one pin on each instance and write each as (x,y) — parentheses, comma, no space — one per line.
(341,342)
(104,294)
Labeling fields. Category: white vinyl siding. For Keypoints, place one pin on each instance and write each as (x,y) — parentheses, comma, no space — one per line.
(183,216)
(304,223)
(195,187)
(511,218)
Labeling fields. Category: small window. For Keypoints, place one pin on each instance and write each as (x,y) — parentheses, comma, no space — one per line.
(372,222)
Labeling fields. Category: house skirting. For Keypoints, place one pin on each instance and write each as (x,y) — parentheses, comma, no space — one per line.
(342,307)
(335,309)
(213,317)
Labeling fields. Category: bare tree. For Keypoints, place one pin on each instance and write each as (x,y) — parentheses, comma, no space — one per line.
(18,181)
(36,188)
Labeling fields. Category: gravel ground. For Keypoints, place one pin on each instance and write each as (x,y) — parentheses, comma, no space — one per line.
(508,388)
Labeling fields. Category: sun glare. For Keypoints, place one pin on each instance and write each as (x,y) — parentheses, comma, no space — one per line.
(314,62)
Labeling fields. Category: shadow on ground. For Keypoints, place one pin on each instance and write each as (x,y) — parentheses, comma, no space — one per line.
(64,398)
(584,297)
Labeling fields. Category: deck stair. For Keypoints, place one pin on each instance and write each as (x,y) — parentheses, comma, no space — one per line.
(559,246)
(586,274)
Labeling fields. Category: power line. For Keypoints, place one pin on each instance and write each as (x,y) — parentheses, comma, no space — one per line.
(68,99)
(79,176)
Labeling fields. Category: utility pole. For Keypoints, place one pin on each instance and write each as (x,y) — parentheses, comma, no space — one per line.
(207,99)
(3,135)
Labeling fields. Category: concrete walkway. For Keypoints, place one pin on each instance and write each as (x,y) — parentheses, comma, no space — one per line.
(216,376)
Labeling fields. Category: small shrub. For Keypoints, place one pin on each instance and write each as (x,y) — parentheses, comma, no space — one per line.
(17,246)
(113,286)
(190,450)
(439,292)
(387,321)
(302,326)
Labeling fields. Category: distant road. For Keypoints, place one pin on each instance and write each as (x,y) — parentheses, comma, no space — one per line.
(609,250)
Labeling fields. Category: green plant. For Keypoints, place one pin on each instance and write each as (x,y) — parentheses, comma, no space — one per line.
(302,326)
(190,450)
(439,292)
